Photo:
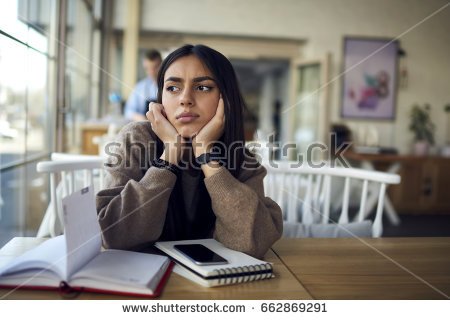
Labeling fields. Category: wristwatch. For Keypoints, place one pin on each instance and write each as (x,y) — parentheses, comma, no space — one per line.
(160,163)
(206,158)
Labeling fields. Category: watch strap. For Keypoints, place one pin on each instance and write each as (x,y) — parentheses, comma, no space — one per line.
(163,164)
(205,158)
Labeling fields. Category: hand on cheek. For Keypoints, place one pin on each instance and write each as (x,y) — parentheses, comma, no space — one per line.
(211,132)
(160,125)
(165,131)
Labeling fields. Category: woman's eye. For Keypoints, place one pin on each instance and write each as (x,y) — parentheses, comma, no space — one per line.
(204,88)
(172,88)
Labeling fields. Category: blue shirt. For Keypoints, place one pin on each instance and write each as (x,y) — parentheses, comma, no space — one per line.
(145,90)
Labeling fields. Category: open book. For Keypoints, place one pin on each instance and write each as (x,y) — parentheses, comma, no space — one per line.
(240,267)
(74,261)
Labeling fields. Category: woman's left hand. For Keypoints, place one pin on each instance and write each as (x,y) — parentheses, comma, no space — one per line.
(204,140)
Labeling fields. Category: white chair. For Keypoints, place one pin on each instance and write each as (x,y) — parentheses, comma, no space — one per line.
(68,173)
(305,195)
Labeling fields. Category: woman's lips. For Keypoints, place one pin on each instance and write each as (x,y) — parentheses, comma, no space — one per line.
(187,119)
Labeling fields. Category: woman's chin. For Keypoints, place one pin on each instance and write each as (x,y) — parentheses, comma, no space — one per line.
(187,133)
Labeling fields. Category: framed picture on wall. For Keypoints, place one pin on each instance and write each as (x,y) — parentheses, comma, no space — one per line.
(369,78)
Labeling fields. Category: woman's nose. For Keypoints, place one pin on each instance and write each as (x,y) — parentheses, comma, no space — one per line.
(186,98)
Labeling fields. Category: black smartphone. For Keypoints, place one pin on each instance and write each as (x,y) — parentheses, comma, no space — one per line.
(200,254)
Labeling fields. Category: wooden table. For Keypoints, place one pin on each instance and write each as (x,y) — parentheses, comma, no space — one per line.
(283,286)
(383,268)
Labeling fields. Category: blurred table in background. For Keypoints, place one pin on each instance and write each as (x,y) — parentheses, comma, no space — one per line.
(96,132)
(425,179)
(88,131)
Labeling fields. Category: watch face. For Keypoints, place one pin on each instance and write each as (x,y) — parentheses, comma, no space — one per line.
(204,158)
(207,157)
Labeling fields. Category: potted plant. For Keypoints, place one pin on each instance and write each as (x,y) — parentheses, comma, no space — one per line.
(446,149)
(423,129)
(447,111)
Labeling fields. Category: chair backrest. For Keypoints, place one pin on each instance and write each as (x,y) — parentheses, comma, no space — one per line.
(307,190)
(68,173)
(55,156)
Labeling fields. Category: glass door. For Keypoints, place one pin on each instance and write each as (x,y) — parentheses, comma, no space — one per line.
(309,110)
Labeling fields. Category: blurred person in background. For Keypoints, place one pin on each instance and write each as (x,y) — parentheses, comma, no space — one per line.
(145,90)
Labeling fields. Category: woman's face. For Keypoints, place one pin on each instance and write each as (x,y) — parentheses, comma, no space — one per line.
(190,95)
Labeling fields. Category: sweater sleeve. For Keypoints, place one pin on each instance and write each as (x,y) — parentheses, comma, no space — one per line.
(246,220)
(132,207)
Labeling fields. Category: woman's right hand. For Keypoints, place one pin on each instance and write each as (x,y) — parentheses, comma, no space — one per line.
(166,132)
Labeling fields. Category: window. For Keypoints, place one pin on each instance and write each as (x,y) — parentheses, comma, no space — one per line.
(27,30)
(28,91)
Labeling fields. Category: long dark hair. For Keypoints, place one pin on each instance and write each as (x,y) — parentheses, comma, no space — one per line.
(180,224)
(226,80)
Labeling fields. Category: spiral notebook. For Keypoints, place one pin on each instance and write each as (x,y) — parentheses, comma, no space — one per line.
(240,267)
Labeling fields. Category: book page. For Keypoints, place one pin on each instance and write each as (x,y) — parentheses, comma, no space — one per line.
(50,255)
(123,269)
(18,246)
(83,235)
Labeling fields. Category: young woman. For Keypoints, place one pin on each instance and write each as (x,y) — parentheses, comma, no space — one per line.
(185,173)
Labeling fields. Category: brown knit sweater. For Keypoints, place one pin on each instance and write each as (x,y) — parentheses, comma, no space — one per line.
(132,208)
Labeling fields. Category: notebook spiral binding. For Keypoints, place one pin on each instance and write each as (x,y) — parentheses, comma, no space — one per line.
(245,273)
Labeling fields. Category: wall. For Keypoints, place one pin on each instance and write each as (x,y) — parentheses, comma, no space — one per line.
(323,24)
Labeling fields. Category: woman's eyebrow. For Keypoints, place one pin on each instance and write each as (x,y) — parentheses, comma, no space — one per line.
(198,79)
